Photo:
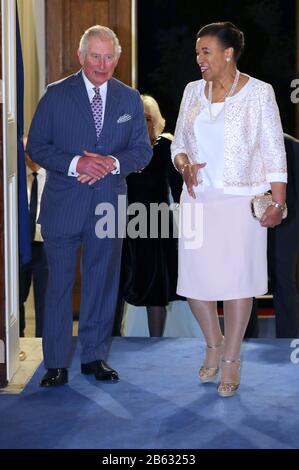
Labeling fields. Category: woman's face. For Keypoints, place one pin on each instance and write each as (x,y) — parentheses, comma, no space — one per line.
(211,57)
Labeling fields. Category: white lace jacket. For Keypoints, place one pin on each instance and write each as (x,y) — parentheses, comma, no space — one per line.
(254,153)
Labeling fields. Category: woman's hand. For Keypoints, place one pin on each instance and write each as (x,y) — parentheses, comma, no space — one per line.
(189,174)
(271,217)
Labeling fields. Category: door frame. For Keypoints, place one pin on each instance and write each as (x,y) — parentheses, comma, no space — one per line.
(3,375)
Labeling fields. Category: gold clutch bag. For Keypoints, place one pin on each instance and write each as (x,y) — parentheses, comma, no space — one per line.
(260,203)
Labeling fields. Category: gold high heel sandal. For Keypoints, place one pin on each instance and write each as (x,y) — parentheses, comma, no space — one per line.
(228,389)
(208,374)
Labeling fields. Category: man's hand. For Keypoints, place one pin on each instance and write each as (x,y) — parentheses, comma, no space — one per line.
(93,167)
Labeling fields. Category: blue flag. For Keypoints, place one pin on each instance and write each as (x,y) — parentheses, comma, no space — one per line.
(23,211)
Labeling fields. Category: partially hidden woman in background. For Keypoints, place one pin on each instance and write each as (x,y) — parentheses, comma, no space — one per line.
(149,265)
(230,123)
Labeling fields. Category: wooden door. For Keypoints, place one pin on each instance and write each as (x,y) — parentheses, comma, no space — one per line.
(66,20)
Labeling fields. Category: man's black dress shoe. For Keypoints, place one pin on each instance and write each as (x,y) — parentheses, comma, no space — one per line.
(54,377)
(100,369)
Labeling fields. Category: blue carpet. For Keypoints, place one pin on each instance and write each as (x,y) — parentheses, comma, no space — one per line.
(159,402)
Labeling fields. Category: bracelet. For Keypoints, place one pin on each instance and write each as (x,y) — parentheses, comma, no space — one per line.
(279,206)
(184,167)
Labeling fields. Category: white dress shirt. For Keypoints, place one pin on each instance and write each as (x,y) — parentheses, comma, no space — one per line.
(90,91)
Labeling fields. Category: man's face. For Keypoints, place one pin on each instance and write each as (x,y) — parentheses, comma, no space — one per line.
(99,61)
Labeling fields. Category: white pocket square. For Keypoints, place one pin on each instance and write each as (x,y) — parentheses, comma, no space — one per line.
(124,118)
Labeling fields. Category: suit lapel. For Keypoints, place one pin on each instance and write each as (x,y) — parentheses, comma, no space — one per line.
(79,94)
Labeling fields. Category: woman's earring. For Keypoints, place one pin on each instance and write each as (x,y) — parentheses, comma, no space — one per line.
(227,59)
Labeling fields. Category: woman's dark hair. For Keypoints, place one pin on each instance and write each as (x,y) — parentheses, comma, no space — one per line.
(227,34)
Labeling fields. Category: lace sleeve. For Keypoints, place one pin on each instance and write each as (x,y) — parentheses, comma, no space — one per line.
(178,143)
(271,138)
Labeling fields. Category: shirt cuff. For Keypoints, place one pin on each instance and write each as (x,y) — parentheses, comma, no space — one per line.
(116,171)
(73,167)
(277,177)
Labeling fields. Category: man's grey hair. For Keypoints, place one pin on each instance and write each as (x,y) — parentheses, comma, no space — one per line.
(101,32)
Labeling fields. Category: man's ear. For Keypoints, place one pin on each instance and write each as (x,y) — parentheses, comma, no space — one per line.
(81,57)
(116,60)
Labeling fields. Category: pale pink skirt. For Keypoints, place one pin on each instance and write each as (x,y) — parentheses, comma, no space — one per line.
(222,248)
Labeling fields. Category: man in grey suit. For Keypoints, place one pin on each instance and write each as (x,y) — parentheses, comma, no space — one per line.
(89,132)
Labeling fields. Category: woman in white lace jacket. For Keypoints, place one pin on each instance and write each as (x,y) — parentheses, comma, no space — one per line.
(228,146)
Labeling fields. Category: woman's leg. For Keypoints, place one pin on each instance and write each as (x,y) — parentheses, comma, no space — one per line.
(206,314)
(236,316)
(156,317)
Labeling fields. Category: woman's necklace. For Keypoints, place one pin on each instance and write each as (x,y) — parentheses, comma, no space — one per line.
(229,93)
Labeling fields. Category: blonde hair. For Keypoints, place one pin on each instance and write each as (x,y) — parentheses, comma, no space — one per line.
(151,107)
(101,32)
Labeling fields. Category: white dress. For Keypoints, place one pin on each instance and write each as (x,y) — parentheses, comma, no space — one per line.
(222,248)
